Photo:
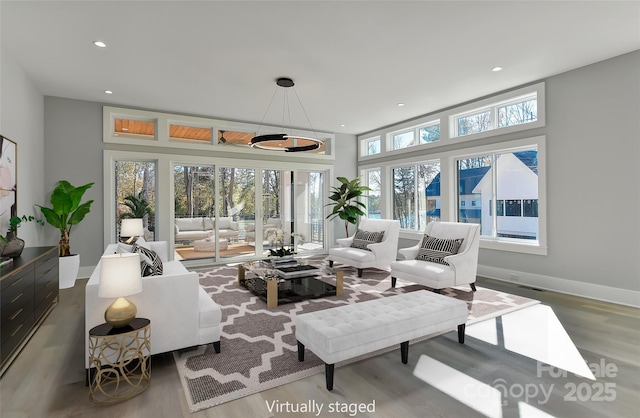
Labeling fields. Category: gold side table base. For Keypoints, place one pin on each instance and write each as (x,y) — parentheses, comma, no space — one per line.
(122,364)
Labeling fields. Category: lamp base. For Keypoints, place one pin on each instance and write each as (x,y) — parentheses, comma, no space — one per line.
(120,313)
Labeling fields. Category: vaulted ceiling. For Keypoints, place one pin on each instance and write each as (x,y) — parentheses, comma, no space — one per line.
(352,61)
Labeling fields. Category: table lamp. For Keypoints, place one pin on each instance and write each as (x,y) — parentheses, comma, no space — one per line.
(131,228)
(119,277)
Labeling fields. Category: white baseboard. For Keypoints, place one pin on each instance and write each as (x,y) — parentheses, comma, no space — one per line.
(85,272)
(571,287)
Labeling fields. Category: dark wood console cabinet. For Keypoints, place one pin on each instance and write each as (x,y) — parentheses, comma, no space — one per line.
(28,292)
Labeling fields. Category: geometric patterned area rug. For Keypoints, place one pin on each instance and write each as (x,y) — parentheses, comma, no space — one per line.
(258,345)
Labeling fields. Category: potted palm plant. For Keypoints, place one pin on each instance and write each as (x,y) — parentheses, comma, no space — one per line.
(345,203)
(66,211)
(138,208)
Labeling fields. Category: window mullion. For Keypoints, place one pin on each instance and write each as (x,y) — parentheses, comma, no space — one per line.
(494,180)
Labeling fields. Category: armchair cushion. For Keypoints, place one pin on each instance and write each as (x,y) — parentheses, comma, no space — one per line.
(436,249)
(363,238)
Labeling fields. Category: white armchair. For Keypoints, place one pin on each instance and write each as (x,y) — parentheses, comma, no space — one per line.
(379,255)
(461,268)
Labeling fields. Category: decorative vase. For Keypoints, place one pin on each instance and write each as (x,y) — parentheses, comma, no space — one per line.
(13,248)
(68,270)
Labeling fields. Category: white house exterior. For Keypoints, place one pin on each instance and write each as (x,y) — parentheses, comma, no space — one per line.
(517,186)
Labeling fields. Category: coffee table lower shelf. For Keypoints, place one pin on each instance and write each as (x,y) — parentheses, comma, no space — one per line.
(281,291)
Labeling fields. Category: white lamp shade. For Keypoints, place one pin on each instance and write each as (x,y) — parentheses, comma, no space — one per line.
(119,275)
(131,227)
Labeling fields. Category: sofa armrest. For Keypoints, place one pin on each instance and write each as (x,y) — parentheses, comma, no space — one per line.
(170,301)
(410,253)
(345,242)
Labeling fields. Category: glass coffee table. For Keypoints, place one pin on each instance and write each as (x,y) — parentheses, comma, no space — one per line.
(289,283)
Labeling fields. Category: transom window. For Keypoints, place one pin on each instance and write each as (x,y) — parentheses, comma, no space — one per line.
(423,134)
(496,116)
(371,146)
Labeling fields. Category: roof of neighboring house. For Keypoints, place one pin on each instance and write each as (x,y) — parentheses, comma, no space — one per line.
(470,178)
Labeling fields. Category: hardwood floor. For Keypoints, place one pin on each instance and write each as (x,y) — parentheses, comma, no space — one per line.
(47,379)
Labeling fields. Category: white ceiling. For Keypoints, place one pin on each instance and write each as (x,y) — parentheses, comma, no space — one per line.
(352,61)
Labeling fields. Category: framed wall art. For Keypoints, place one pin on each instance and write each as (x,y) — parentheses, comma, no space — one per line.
(8,182)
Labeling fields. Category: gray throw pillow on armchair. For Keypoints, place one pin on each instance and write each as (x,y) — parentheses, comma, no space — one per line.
(363,238)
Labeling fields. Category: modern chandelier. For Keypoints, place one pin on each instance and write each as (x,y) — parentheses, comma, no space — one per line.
(285,142)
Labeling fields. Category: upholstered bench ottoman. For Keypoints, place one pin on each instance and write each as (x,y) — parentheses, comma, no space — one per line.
(209,244)
(348,331)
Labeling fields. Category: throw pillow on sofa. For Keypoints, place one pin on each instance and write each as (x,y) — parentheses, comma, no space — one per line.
(126,248)
(150,264)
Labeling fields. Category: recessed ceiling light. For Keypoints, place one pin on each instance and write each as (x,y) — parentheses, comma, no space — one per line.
(108,92)
(100,44)
(496,69)
(342,125)
(400,104)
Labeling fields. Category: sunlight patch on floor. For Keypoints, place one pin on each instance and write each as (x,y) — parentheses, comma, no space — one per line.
(528,411)
(534,332)
(475,394)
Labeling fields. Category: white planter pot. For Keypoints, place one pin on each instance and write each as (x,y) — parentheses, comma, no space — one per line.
(68,270)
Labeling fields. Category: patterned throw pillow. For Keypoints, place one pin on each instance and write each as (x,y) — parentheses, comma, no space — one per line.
(364,238)
(150,263)
(436,249)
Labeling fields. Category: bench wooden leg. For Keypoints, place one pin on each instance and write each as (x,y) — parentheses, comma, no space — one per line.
(330,263)
(404,352)
(461,333)
(328,371)
(393,282)
(359,272)
(216,346)
(300,351)
(473,286)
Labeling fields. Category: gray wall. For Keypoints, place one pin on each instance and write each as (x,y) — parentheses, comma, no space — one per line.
(73,146)
(344,166)
(593,146)
(22,121)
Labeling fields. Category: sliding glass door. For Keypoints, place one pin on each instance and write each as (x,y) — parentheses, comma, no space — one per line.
(236,211)
(135,192)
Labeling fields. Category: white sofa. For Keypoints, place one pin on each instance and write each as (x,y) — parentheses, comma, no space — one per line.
(190,229)
(182,314)
(251,228)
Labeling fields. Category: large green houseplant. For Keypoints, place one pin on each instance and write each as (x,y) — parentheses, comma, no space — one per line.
(66,211)
(345,203)
(138,208)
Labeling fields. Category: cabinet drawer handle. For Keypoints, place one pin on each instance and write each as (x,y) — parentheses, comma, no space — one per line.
(16,298)
(50,293)
(15,314)
(17,281)
(17,329)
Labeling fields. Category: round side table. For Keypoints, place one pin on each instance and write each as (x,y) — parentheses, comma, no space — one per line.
(121,358)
